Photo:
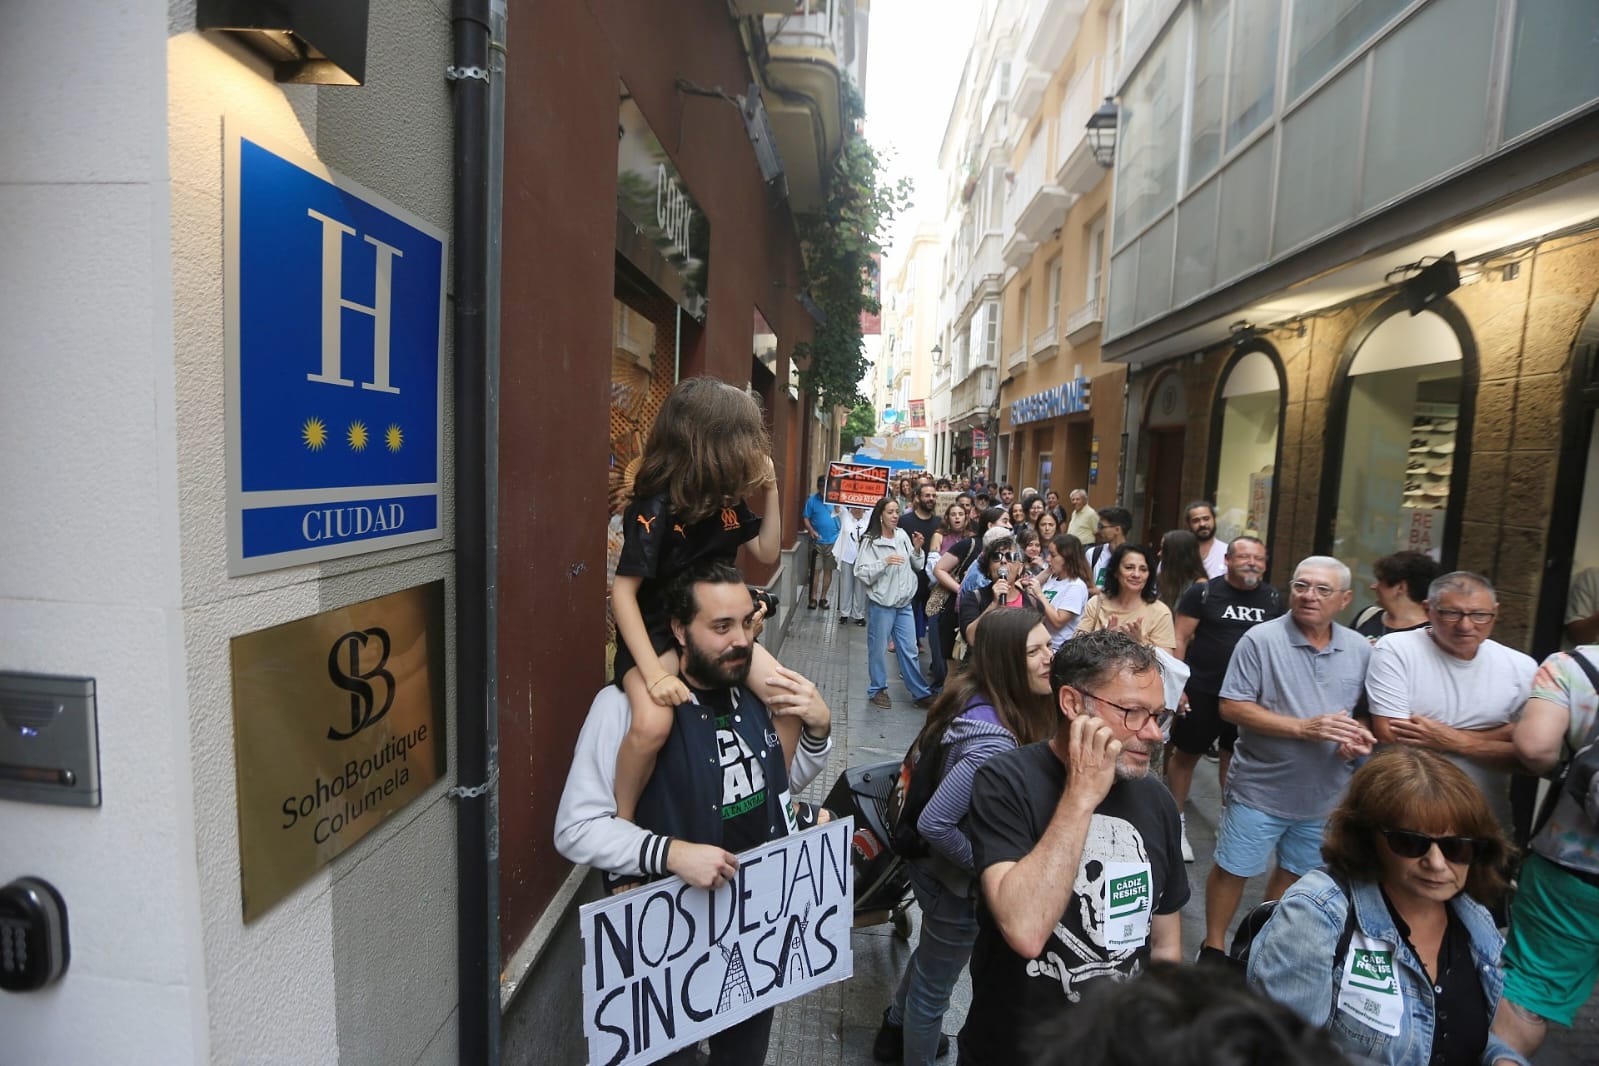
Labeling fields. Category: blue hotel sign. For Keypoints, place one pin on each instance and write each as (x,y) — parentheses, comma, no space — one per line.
(1066,399)
(335,311)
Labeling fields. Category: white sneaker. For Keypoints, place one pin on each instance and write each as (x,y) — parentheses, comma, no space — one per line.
(1188,849)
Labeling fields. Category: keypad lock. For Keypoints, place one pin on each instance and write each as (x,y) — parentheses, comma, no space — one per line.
(33,935)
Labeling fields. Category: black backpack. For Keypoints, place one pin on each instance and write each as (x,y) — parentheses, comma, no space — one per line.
(917,781)
(1261,913)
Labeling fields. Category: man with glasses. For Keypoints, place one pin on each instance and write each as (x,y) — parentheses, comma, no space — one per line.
(1114,522)
(1290,688)
(1077,850)
(1450,688)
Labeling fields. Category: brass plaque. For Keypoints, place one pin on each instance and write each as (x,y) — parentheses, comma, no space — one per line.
(338,722)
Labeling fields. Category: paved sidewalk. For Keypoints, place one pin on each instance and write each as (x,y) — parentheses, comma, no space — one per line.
(834,1026)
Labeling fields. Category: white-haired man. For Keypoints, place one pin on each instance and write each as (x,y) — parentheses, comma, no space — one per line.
(1290,688)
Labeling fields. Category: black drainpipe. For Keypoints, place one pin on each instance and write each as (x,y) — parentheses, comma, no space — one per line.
(477,928)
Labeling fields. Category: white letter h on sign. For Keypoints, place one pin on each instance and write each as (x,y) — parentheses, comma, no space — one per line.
(333,303)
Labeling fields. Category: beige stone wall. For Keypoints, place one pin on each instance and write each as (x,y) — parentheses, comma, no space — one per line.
(1524,329)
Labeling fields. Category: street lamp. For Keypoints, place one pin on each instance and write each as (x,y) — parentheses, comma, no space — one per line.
(1102,132)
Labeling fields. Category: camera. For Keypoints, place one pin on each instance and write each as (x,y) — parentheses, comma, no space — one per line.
(761,596)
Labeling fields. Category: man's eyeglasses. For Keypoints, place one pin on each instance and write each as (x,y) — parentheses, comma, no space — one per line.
(1408,844)
(1134,718)
(1321,592)
(1451,615)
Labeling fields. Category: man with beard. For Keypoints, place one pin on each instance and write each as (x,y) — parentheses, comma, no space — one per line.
(1211,618)
(1077,850)
(1201,519)
(719,785)
(924,519)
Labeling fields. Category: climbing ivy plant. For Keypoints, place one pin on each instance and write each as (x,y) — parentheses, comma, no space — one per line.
(840,243)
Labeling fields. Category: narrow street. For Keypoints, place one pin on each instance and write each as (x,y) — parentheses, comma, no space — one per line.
(835,1025)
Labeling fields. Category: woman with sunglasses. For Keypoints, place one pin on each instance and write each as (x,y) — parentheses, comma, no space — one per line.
(1390,947)
(1001,563)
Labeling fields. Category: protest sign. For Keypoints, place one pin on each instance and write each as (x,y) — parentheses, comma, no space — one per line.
(855,484)
(666,965)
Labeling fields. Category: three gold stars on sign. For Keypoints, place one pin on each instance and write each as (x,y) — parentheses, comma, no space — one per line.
(314,435)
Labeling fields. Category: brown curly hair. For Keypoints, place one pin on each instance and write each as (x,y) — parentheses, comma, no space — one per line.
(1417,789)
(709,445)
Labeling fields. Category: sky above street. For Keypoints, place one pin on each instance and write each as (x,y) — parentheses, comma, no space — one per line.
(916,49)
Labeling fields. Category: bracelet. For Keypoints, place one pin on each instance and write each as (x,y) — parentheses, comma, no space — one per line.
(663,677)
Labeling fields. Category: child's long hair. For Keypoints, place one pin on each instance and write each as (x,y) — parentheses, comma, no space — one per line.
(709,444)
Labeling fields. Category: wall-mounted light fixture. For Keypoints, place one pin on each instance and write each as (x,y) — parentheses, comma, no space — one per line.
(308,42)
(1102,132)
(938,350)
(1428,282)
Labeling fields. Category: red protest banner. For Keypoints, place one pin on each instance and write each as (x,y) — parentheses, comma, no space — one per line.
(855,484)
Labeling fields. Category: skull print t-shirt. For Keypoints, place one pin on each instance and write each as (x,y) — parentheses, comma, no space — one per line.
(1131,870)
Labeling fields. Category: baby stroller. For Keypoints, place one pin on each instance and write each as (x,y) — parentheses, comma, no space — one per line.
(882,882)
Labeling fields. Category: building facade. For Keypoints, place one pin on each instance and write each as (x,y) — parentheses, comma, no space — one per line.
(1060,405)
(635,229)
(1353,272)
(972,162)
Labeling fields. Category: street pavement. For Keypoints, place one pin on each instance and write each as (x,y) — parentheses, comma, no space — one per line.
(835,1026)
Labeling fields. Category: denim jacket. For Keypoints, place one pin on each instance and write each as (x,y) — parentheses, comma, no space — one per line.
(1291,961)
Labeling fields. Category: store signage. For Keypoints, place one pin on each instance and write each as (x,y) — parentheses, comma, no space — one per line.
(338,722)
(918,414)
(334,312)
(1066,399)
(855,484)
(666,965)
(979,444)
(662,230)
(1093,462)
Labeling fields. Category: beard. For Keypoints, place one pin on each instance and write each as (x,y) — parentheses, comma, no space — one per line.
(1129,771)
(730,668)
(1249,580)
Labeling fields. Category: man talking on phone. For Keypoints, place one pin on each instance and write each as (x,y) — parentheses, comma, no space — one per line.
(1078,851)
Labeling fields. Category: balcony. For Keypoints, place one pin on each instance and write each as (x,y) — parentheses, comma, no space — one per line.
(1050,28)
(1083,324)
(983,277)
(808,52)
(1045,344)
(1036,206)
(1078,172)
(1017,357)
(1029,91)
(972,397)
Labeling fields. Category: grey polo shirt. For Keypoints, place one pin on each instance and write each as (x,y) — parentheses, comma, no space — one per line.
(1276,667)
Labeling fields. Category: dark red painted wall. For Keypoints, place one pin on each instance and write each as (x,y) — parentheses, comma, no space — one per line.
(559,241)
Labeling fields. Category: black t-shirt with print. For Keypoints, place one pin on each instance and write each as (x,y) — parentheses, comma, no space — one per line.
(1225,614)
(655,546)
(1014,796)
(911,522)
(743,778)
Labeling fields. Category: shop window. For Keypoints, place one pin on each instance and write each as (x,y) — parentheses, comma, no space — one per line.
(1245,436)
(1400,440)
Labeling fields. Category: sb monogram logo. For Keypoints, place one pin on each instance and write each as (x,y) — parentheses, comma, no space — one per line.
(364,710)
